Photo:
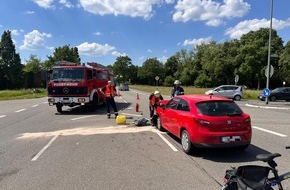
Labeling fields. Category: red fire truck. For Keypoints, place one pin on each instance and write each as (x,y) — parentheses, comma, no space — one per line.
(72,84)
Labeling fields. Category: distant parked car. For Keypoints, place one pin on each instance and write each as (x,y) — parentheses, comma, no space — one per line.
(205,121)
(281,93)
(229,91)
(123,87)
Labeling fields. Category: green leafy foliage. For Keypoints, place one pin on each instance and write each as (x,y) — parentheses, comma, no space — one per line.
(64,53)
(11,76)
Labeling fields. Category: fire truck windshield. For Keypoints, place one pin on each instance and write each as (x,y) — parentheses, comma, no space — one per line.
(67,74)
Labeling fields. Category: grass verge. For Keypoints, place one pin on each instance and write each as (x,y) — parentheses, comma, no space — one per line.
(248,94)
(23,94)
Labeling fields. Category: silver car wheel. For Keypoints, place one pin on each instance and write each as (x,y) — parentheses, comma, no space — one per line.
(185,141)
(159,125)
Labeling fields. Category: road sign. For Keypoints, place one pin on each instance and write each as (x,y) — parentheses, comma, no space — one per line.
(266,92)
(157,78)
(271,71)
(236,79)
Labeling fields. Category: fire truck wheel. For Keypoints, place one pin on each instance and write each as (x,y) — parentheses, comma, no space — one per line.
(59,108)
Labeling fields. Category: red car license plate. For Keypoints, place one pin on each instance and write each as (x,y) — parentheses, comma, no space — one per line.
(230,139)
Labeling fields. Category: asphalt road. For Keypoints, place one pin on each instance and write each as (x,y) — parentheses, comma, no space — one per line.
(79,149)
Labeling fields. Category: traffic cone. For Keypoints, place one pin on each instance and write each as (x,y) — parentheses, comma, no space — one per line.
(138,96)
(137,107)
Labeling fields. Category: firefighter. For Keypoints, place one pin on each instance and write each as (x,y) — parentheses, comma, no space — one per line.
(154,101)
(110,92)
(177,89)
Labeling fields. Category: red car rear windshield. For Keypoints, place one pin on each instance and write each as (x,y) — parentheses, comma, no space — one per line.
(218,108)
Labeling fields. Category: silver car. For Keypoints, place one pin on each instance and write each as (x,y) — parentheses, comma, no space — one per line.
(123,87)
(234,92)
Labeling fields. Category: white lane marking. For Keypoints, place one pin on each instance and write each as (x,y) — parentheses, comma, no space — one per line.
(19,110)
(45,102)
(268,131)
(34,105)
(167,142)
(267,107)
(77,118)
(44,148)
(1,116)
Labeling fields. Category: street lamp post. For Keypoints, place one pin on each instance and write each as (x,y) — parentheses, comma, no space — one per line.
(269,50)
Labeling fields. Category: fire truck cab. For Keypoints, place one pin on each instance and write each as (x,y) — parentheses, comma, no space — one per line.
(72,84)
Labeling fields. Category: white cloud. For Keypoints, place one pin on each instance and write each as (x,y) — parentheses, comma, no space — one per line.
(149,50)
(66,3)
(210,11)
(169,1)
(141,58)
(162,59)
(97,33)
(254,25)
(133,8)
(44,3)
(29,12)
(195,42)
(15,32)
(34,41)
(94,49)
(117,54)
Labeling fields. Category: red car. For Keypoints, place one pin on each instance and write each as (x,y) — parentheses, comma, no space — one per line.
(205,121)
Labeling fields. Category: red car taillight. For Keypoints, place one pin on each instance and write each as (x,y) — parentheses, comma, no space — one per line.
(202,122)
(248,120)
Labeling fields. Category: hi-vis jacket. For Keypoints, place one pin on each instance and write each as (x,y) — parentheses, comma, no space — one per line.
(110,91)
(154,101)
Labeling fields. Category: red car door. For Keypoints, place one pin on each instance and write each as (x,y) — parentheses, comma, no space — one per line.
(168,115)
(181,117)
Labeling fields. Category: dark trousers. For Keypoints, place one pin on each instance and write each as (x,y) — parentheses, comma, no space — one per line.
(152,110)
(111,102)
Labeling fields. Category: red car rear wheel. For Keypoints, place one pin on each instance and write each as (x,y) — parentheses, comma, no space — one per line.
(159,125)
(186,142)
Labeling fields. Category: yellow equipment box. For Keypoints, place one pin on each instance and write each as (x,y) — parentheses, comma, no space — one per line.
(121,119)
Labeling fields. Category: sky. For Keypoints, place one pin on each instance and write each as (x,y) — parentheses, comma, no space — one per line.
(102,30)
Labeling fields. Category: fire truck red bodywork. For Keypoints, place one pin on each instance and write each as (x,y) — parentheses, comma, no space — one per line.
(71,84)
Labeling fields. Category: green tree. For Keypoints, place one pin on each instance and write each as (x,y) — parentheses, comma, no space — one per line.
(11,76)
(209,57)
(184,58)
(64,53)
(149,70)
(32,72)
(253,55)
(171,66)
(124,69)
(33,65)
(284,64)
